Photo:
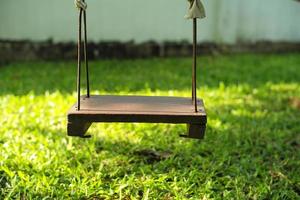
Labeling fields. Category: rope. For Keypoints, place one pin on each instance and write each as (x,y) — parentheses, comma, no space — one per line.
(80,4)
(196,10)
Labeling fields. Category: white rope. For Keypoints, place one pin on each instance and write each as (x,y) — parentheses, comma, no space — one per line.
(196,10)
(80,4)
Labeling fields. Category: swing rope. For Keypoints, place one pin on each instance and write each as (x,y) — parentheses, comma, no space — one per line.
(196,10)
(82,6)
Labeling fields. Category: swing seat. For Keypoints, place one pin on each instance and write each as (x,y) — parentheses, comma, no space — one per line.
(139,109)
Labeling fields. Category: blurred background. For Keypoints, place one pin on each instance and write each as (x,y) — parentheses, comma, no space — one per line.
(248,76)
(140,28)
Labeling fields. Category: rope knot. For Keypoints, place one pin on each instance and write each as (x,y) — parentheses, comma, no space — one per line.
(80,4)
(196,10)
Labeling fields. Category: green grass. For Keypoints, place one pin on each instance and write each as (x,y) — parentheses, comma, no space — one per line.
(251,149)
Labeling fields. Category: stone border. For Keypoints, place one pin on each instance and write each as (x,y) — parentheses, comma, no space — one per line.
(48,50)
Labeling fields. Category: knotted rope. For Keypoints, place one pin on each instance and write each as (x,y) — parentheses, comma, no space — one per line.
(80,4)
(196,10)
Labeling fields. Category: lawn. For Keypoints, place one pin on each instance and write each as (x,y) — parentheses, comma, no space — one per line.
(251,149)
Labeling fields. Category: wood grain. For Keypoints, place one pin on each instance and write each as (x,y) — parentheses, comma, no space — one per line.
(142,109)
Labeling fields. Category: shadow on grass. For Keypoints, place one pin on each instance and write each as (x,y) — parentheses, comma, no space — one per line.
(225,155)
(245,154)
(246,150)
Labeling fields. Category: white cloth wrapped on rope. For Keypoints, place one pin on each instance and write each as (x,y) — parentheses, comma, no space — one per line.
(80,4)
(196,10)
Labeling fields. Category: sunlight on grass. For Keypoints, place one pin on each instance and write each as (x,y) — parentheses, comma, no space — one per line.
(251,149)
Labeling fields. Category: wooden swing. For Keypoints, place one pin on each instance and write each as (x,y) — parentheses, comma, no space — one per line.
(141,109)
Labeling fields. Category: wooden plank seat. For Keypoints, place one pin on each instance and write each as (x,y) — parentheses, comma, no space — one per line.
(90,109)
(140,109)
